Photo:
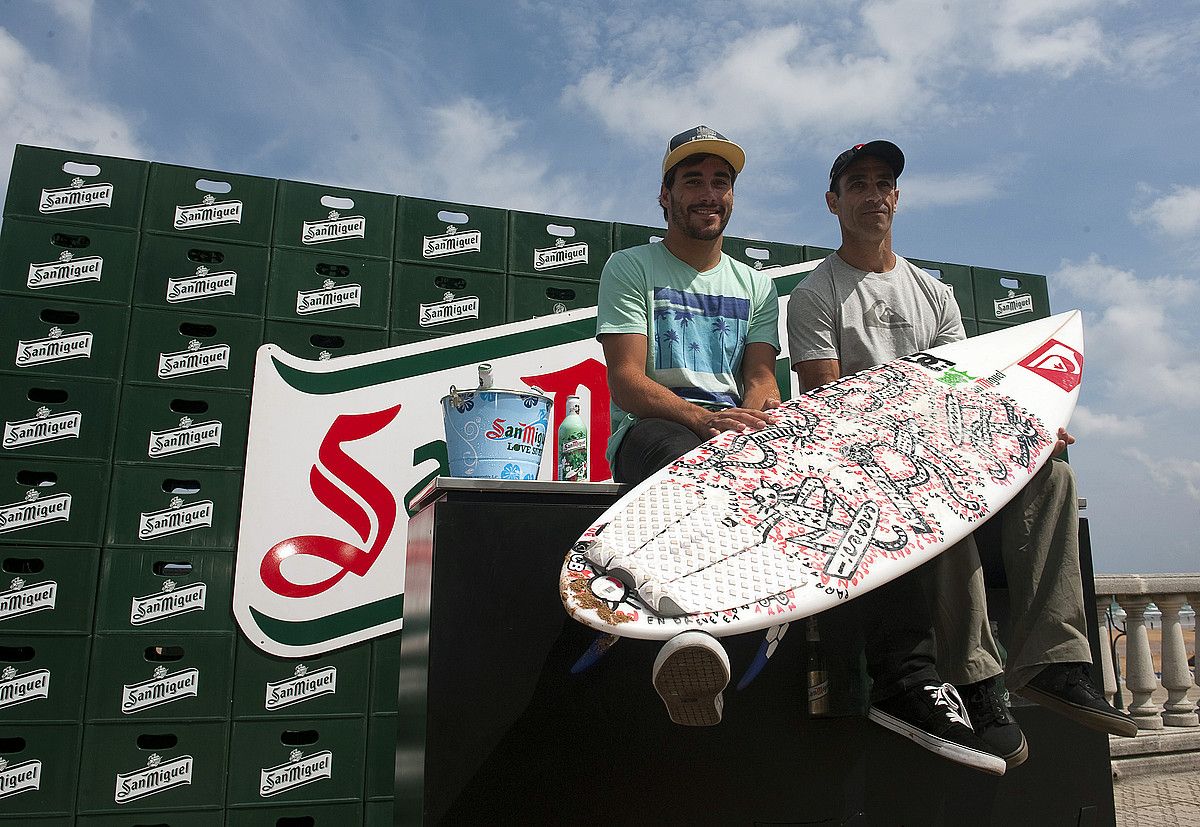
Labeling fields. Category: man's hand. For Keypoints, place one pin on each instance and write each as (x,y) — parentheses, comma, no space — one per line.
(1064,439)
(733,419)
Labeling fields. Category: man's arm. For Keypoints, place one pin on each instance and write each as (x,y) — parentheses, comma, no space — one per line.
(635,392)
(816,372)
(761,390)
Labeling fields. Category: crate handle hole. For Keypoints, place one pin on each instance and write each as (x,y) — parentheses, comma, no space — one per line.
(654,239)
(448,217)
(1011,284)
(560,230)
(78,168)
(168,568)
(164,654)
(23,565)
(336,271)
(8,746)
(336,202)
(447,283)
(199,331)
(47,396)
(560,294)
(758,253)
(38,479)
(189,406)
(16,654)
(205,256)
(71,242)
(937,274)
(172,486)
(326,342)
(51,316)
(155,742)
(295,821)
(219,187)
(299,737)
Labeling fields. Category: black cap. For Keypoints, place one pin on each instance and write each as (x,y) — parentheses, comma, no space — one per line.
(703,139)
(886,151)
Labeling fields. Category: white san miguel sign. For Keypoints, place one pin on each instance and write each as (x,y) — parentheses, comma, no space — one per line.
(339,450)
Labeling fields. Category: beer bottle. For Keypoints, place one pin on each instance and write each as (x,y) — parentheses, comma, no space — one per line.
(485,376)
(572,445)
(818,675)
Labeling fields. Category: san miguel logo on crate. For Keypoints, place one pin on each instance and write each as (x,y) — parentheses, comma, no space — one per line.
(449,309)
(203,285)
(330,296)
(156,777)
(189,436)
(208,213)
(16,688)
(334,228)
(78,196)
(163,688)
(296,772)
(171,601)
(452,243)
(44,427)
(23,599)
(54,348)
(19,778)
(35,511)
(302,686)
(196,359)
(67,270)
(561,254)
(1013,304)
(175,519)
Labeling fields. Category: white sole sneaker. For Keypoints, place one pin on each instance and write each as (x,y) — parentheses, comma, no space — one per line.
(992,764)
(690,673)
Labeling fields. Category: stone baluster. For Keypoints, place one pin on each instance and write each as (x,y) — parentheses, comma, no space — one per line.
(1103,602)
(1194,602)
(1139,664)
(1176,676)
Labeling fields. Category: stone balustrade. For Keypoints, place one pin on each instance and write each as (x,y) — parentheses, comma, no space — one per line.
(1170,593)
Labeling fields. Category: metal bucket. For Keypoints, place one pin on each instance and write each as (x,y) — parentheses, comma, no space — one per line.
(495,434)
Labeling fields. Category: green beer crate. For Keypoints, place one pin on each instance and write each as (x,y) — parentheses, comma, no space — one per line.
(971,326)
(165,591)
(183,426)
(266,686)
(958,278)
(983,328)
(812,253)
(441,300)
(385,673)
(337,289)
(1003,297)
(77,187)
(45,336)
(197,276)
(305,760)
(42,678)
(381,756)
(557,246)
(160,676)
(198,203)
(58,418)
(296,815)
(192,350)
(446,234)
(213,817)
(47,590)
(762,255)
(62,261)
(51,502)
(138,766)
(378,813)
(41,768)
(310,340)
(410,337)
(634,235)
(531,296)
(334,220)
(172,507)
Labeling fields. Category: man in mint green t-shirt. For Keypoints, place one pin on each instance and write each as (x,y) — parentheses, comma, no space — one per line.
(691,338)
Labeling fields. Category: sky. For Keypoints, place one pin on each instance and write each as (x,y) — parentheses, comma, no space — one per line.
(1054,137)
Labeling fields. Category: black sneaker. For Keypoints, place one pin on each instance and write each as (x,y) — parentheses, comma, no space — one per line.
(1067,689)
(935,718)
(993,722)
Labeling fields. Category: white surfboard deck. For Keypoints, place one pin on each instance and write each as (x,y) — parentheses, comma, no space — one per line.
(855,483)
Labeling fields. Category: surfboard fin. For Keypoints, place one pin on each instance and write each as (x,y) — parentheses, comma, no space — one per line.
(594,653)
(765,650)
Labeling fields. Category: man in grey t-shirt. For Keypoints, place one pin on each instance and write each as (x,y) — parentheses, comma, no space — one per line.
(863,306)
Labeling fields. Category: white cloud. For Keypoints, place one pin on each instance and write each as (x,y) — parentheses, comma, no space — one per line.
(1171,474)
(1091,424)
(77,13)
(919,191)
(1176,214)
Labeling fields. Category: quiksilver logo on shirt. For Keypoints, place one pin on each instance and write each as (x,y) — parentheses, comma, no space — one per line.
(78,196)
(335,228)
(208,213)
(67,270)
(560,255)
(45,427)
(454,242)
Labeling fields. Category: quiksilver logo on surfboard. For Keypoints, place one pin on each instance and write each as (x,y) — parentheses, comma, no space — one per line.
(296,772)
(67,270)
(157,776)
(78,196)
(171,601)
(330,296)
(189,436)
(335,228)
(17,688)
(203,285)
(54,348)
(304,685)
(44,427)
(208,213)
(449,309)
(175,519)
(1056,362)
(163,688)
(24,599)
(35,511)
(454,242)
(561,254)
(196,359)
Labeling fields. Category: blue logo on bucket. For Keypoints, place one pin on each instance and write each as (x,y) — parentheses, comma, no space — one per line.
(495,434)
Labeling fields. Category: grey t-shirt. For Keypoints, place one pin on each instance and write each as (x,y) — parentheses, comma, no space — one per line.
(865,319)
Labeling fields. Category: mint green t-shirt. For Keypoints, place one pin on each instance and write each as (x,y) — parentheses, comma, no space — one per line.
(697,325)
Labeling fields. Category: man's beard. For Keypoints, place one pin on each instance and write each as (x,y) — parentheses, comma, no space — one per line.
(682,219)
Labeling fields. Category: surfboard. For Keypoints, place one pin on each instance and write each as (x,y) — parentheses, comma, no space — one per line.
(853,484)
